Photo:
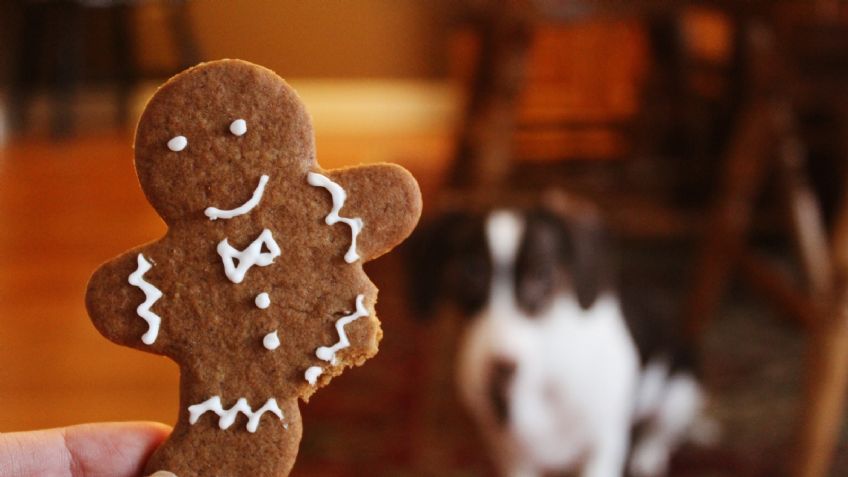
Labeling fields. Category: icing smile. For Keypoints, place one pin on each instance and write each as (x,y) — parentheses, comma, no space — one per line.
(215,213)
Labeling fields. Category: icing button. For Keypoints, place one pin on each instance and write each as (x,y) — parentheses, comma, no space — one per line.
(271,341)
(262,301)
(238,127)
(177,143)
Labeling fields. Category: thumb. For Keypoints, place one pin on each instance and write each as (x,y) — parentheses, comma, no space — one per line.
(89,450)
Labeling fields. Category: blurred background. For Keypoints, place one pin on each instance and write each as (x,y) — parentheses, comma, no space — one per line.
(711,133)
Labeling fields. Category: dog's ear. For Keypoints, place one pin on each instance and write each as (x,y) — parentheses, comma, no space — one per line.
(586,246)
(447,261)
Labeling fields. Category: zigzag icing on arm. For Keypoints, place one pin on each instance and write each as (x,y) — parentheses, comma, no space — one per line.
(151,295)
(328,353)
(215,213)
(339,197)
(226,417)
(252,255)
(312,374)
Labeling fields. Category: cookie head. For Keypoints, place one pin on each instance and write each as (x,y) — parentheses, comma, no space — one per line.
(215,129)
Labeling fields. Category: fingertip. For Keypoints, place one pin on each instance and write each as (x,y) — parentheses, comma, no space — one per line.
(140,431)
(153,429)
(116,448)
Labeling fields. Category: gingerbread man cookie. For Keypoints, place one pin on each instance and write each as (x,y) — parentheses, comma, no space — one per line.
(257,290)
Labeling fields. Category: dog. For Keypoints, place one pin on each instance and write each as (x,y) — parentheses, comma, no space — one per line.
(561,365)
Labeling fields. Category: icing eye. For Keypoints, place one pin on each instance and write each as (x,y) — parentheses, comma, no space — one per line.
(238,127)
(177,143)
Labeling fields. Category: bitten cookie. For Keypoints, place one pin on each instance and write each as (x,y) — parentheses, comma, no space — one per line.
(257,290)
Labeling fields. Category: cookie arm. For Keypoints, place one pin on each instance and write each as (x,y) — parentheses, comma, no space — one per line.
(124,312)
(387,199)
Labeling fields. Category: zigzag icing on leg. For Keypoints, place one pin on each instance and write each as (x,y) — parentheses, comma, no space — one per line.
(226,417)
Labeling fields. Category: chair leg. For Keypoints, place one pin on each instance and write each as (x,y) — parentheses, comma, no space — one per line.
(808,228)
(824,394)
(30,44)
(183,36)
(68,22)
(122,31)
(727,227)
(826,370)
(484,151)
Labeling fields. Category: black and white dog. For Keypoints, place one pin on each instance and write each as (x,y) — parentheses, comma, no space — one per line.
(558,364)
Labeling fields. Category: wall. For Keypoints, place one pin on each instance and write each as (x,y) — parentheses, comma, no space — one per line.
(298,38)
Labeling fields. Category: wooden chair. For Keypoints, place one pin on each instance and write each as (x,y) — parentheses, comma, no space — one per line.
(765,138)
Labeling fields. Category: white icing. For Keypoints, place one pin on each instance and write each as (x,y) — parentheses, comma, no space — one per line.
(228,416)
(271,341)
(262,301)
(339,196)
(238,127)
(177,143)
(151,295)
(328,353)
(312,374)
(215,213)
(252,255)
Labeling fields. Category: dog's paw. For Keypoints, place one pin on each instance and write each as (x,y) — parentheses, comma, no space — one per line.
(705,432)
(650,459)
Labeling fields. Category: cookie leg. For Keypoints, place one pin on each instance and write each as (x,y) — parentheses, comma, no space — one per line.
(205,450)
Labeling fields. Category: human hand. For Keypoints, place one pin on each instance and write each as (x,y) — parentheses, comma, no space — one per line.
(117,449)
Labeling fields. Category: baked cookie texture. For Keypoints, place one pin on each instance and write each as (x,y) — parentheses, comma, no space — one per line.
(257,290)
